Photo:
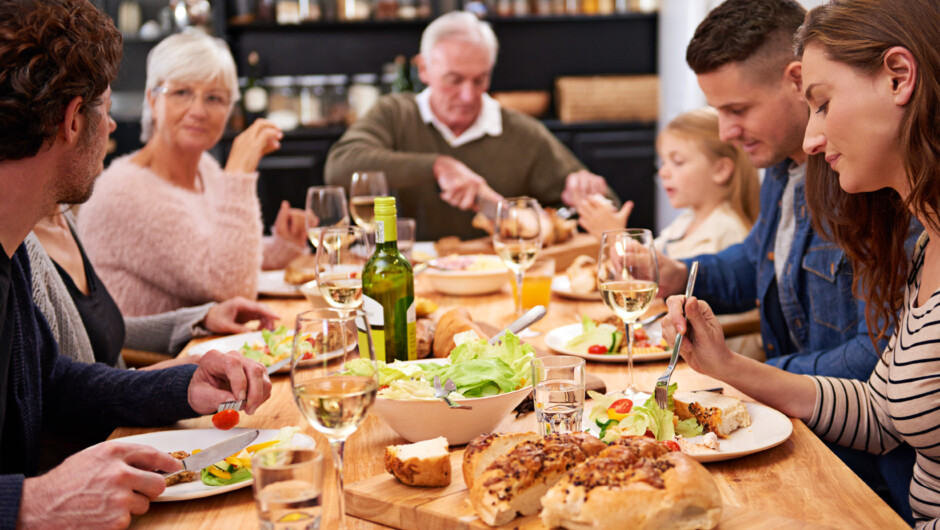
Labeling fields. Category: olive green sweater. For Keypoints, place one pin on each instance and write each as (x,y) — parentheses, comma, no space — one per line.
(525,160)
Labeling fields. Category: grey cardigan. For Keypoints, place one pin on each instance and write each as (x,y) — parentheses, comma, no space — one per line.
(164,332)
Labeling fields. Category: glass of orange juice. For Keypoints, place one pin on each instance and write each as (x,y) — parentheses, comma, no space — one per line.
(537,284)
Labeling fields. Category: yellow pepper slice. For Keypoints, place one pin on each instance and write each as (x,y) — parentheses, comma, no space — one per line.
(219,473)
(262,445)
(614,415)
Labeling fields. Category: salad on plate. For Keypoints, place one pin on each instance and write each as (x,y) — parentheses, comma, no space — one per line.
(617,416)
(603,338)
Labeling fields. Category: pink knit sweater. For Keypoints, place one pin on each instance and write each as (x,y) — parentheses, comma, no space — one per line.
(159,247)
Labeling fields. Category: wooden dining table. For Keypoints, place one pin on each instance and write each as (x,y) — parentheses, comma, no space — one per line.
(797,484)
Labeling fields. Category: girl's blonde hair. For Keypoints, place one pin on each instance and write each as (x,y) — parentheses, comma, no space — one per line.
(701,126)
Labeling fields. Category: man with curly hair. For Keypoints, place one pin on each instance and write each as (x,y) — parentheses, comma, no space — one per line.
(58,59)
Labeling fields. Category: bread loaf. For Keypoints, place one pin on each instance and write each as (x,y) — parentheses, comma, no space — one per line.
(484,449)
(515,482)
(455,321)
(635,483)
(424,463)
(582,275)
(301,270)
(716,413)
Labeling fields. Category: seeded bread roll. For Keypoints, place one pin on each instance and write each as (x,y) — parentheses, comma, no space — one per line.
(424,463)
(484,449)
(515,482)
(455,321)
(635,485)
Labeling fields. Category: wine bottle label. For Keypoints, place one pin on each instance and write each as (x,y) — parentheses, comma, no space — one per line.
(412,332)
(256,99)
(376,316)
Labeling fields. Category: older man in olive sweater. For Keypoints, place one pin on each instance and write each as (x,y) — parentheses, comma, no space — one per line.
(446,146)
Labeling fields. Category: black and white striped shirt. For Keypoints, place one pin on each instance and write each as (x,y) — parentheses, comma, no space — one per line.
(900,401)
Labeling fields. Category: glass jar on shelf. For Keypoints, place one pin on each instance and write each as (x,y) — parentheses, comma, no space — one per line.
(310,10)
(336,106)
(351,10)
(387,9)
(287,11)
(407,9)
(363,93)
(312,95)
(283,102)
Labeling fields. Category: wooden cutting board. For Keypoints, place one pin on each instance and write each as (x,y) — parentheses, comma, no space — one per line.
(563,253)
(384,500)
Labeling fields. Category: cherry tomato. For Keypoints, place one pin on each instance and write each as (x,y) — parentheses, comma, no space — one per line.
(649,434)
(672,445)
(622,406)
(640,334)
(307,356)
(620,409)
(225,419)
(597,348)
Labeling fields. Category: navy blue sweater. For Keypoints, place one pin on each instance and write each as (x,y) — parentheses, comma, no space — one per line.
(42,391)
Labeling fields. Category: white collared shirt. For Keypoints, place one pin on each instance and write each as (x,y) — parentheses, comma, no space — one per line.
(489,122)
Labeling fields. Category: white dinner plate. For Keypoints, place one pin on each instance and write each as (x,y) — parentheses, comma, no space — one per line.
(271,283)
(558,337)
(235,342)
(768,428)
(561,286)
(189,439)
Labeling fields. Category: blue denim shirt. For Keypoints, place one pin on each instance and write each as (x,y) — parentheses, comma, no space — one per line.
(810,321)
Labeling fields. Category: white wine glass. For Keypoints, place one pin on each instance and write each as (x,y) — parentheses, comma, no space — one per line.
(341,254)
(363,189)
(326,207)
(517,237)
(332,395)
(628,279)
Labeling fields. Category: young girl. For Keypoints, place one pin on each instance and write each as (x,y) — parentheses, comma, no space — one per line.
(871,74)
(714,180)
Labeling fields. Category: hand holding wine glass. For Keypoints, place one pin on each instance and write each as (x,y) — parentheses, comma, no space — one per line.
(333,401)
(517,237)
(363,189)
(325,208)
(628,279)
(341,254)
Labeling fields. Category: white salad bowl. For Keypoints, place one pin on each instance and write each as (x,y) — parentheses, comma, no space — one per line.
(417,420)
(485,274)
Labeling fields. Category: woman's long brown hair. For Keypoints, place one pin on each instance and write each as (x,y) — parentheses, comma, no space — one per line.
(871,227)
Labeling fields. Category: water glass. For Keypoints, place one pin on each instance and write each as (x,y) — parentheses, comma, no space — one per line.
(559,393)
(288,485)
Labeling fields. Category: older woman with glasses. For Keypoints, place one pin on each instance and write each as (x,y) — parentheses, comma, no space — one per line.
(167,226)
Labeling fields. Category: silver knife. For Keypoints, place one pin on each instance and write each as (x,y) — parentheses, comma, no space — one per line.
(487,207)
(531,317)
(216,453)
(278,365)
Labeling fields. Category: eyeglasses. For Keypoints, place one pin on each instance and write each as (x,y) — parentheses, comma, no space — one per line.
(184,97)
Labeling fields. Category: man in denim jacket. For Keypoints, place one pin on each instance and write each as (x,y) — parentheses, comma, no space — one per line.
(742,55)
(810,321)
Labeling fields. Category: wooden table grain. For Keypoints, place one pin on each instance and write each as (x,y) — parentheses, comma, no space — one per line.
(799,480)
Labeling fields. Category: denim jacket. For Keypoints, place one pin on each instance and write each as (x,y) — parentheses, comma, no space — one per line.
(810,321)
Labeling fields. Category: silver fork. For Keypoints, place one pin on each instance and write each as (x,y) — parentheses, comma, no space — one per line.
(565,212)
(662,384)
(234,405)
(449,386)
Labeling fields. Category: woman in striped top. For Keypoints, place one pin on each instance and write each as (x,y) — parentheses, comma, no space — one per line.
(871,74)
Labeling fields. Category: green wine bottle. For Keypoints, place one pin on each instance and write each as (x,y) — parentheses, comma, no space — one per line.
(388,291)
